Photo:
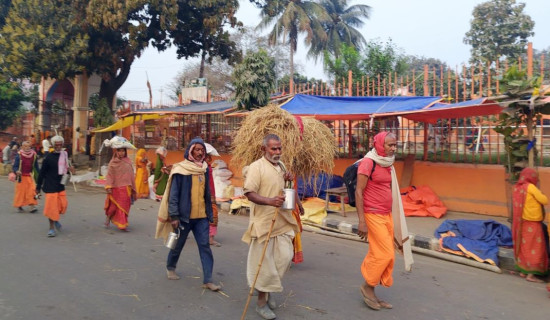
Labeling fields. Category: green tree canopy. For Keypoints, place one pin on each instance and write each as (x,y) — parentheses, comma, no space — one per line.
(11,97)
(349,59)
(253,80)
(292,17)
(381,59)
(201,30)
(341,28)
(499,29)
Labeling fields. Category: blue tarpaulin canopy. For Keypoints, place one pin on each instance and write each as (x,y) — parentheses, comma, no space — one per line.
(354,108)
(427,109)
(193,108)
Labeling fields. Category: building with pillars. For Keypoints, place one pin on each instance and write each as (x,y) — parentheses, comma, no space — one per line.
(63,107)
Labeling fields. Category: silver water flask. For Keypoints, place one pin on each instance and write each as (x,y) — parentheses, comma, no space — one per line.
(172,239)
(290,199)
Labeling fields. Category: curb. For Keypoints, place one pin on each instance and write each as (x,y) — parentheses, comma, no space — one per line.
(505,255)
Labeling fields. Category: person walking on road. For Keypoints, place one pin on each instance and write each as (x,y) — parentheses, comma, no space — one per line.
(25,167)
(142,175)
(120,186)
(211,151)
(263,184)
(162,171)
(374,203)
(530,245)
(46,145)
(54,167)
(187,206)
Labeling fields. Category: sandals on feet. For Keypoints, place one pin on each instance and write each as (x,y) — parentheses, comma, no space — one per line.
(385,304)
(215,244)
(51,233)
(58,225)
(371,303)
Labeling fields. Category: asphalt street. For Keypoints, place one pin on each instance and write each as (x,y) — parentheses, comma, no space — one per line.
(89,272)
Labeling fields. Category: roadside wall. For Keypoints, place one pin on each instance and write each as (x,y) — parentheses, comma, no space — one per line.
(462,187)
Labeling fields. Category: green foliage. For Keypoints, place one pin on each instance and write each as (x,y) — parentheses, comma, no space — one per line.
(253,80)
(499,28)
(292,17)
(103,116)
(382,59)
(340,29)
(41,38)
(349,59)
(11,97)
(201,29)
(4,8)
(516,123)
(298,79)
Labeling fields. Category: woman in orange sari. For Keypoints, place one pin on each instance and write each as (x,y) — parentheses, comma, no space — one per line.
(530,247)
(142,175)
(120,187)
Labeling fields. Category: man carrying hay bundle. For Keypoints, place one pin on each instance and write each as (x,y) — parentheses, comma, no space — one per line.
(263,184)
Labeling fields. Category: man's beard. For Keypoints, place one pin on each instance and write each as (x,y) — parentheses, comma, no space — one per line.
(274,159)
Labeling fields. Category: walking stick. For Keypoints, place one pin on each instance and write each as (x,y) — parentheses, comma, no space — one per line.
(260,264)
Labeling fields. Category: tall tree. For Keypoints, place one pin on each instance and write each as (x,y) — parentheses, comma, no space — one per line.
(4,8)
(11,97)
(292,17)
(499,29)
(253,80)
(59,39)
(338,67)
(381,59)
(201,30)
(341,28)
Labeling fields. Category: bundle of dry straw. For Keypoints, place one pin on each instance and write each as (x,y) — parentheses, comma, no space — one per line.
(306,154)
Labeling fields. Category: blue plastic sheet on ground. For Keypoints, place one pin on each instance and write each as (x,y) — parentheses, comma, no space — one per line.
(478,237)
(323,182)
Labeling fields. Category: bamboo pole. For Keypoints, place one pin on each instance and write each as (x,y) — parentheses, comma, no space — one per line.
(426,88)
(414,82)
(260,263)
(542,68)
(434,86)
(456,84)
(390,85)
(497,76)
(472,85)
(480,80)
(378,93)
(350,83)
(441,80)
(529,59)
(464,83)
(363,85)
(449,95)
(489,91)
(368,82)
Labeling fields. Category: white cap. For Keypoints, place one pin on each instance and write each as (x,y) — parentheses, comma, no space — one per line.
(118,142)
(211,150)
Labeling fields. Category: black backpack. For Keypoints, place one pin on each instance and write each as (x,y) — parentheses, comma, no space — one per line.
(350,179)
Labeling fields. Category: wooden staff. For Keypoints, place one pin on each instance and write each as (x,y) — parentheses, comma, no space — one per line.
(260,264)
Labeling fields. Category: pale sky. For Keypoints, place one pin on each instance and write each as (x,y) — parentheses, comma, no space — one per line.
(430,28)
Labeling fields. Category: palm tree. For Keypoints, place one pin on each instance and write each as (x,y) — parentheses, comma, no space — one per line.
(293,17)
(341,28)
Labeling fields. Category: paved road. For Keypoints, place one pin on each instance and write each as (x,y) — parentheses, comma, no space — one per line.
(89,272)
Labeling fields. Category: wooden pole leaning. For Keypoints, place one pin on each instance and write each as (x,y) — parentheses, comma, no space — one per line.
(260,263)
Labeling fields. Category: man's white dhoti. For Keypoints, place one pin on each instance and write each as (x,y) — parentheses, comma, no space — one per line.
(276,262)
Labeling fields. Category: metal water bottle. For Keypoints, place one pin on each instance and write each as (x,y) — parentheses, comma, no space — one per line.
(173,239)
